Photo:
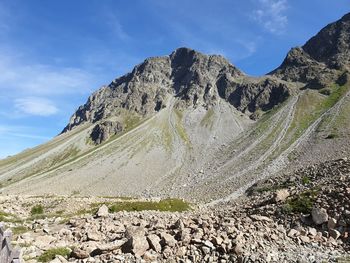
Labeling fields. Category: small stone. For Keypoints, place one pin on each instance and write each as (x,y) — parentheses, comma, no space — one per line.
(79,253)
(217,240)
(332,223)
(103,211)
(168,240)
(137,242)
(293,233)
(154,242)
(261,218)
(181,252)
(274,237)
(305,239)
(148,256)
(238,249)
(319,215)
(93,235)
(208,244)
(281,195)
(312,231)
(334,233)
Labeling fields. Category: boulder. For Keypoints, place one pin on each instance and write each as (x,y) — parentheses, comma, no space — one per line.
(168,240)
(137,242)
(319,215)
(93,235)
(103,211)
(154,242)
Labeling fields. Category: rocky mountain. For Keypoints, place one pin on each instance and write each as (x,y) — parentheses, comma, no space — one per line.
(194,126)
(194,79)
(318,62)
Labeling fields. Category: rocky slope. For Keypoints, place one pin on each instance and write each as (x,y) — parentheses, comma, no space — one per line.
(301,217)
(194,126)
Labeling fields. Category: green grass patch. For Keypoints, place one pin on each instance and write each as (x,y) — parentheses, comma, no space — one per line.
(7,217)
(302,203)
(305,180)
(312,105)
(37,210)
(4,216)
(325,91)
(171,205)
(180,129)
(18,230)
(50,254)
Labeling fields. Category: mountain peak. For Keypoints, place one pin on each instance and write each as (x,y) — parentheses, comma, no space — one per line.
(319,59)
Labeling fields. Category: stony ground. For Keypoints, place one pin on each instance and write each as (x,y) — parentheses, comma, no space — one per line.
(302,217)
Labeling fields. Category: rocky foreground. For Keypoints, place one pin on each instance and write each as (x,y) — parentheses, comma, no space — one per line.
(304,218)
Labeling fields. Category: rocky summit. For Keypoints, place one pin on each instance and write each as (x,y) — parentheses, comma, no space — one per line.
(188,159)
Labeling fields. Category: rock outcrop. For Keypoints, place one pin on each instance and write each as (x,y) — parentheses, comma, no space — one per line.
(104,130)
(321,59)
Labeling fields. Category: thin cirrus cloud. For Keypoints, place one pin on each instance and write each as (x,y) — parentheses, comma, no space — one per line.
(42,79)
(271,15)
(36,106)
(116,27)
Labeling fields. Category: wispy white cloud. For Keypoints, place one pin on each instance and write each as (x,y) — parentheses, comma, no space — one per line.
(39,79)
(36,106)
(113,22)
(271,15)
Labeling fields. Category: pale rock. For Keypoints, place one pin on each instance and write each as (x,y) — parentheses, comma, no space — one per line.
(238,249)
(93,235)
(43,242)
(167,240)
(332,223)
(137,242)
(305,239)
(312,231)
(150,257)
(261,218)
(281,195)
(217,240)
(293,233)
(209,244)
(319,215)
(103,211)
(154,242)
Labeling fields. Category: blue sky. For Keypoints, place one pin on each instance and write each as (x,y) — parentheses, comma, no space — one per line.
(53,54)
